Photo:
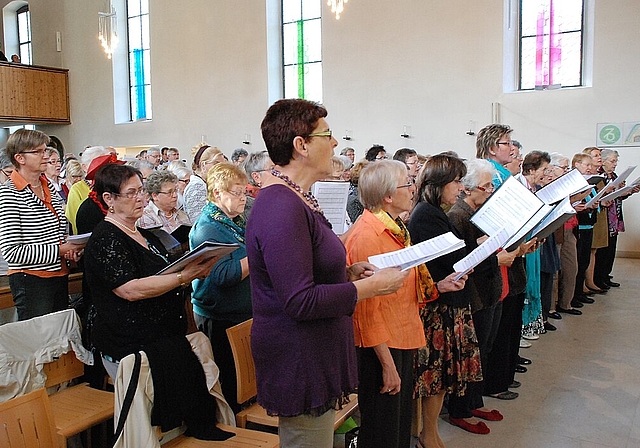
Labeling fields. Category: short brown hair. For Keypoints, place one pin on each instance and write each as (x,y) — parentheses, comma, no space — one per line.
(24,140)
(285,120)
(439,170)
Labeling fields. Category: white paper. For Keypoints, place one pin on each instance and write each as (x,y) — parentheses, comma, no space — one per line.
(597,197)
(529,225)
(565,185)
(79,239)
(481,253)
(332,197)
(423,252)
(509,207)
(622,177)
(618,193)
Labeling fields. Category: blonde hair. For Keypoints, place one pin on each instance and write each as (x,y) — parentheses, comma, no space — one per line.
(222,176)
(73,168)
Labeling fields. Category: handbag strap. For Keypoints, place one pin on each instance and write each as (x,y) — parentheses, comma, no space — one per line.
(128,399)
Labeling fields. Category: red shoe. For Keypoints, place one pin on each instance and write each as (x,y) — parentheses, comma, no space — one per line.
(476,428)
(492,415)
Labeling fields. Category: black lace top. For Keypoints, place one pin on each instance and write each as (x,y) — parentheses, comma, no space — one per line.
(122,327)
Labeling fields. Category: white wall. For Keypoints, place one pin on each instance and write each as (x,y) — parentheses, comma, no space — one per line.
(431,65)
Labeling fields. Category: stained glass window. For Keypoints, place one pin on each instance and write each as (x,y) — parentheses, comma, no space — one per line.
(302,49)
(139,59)
(551,43)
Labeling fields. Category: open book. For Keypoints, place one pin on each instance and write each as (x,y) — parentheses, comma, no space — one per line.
(481,253)
(566,185)
(510,207)
(332,198)
(423,252)
(560,214)
(207,249)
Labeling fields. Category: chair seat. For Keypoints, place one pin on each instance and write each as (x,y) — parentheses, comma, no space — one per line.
(258,415)
(244,438)
(80,407)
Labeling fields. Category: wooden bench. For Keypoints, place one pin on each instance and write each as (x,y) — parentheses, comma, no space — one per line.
(244,438)
(27,422)
(239,339)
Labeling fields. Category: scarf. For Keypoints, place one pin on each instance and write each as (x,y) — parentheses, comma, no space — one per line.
(427,292)
(236,225)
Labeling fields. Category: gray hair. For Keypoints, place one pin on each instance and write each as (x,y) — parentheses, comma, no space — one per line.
(256,161)
(346,161)
(346,149)
(475,169)
(237,153)
(157,179)
(608,153)
(91,153)
(5,162)
(379,180)
(154,149)
(557,159)
(179,168)
(141,164)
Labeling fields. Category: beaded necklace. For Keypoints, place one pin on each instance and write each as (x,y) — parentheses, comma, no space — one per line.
(313,202)
(121,225)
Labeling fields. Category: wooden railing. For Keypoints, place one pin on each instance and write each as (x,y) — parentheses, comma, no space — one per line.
(34,94)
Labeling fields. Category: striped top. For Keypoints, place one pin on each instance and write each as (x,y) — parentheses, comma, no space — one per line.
(30,231)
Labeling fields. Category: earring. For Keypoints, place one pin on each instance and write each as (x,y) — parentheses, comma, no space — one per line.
(111,209)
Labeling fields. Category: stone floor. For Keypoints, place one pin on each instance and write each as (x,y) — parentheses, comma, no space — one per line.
(583,388)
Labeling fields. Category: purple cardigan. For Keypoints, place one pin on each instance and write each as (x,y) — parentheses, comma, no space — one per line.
(302,334)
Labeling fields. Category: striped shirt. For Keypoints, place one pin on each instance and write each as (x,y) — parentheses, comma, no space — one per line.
(31,229)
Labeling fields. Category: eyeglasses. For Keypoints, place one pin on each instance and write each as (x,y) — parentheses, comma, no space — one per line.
(410,183)
(184,181)
(130,194)
(237,194)
(382,158)
(173,192)
(54,162)
(488,189)
(40,152)
(564,167)
(321,134)
(266,169)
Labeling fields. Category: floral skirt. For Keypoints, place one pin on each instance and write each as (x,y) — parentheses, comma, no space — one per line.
(451,358)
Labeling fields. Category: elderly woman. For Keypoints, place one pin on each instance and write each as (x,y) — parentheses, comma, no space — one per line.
(535,167)
(354,206)
(258,167)
(303,293)
(162,211)
(223,299)
(73,174)
(486,286)
(387,328)
(134,305)
(54,166)
(451,359)
(33,230)
(376,153)
(195,193)
(183,173)
(136,308)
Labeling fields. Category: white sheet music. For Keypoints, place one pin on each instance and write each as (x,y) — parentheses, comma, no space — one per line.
(564,186)
(481,253)
(509,207)
(332,197)
(622,177)
(529,225)
(564,208)
(412,256)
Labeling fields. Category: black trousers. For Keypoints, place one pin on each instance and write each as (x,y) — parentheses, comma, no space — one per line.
(216,331)
(546,293)
(36,296)
(503,357)
(385,419)
(605,257)
(583,246)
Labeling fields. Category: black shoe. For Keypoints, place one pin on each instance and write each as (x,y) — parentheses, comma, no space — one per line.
(596,291)
(515,384)
(549,327)
(555,315)
(523,361)
(612,284)
(575,304)
(521,369)
(603,286)
(584,299)
(569,311)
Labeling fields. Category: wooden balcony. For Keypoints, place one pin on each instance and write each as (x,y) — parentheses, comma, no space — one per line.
(33,94)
